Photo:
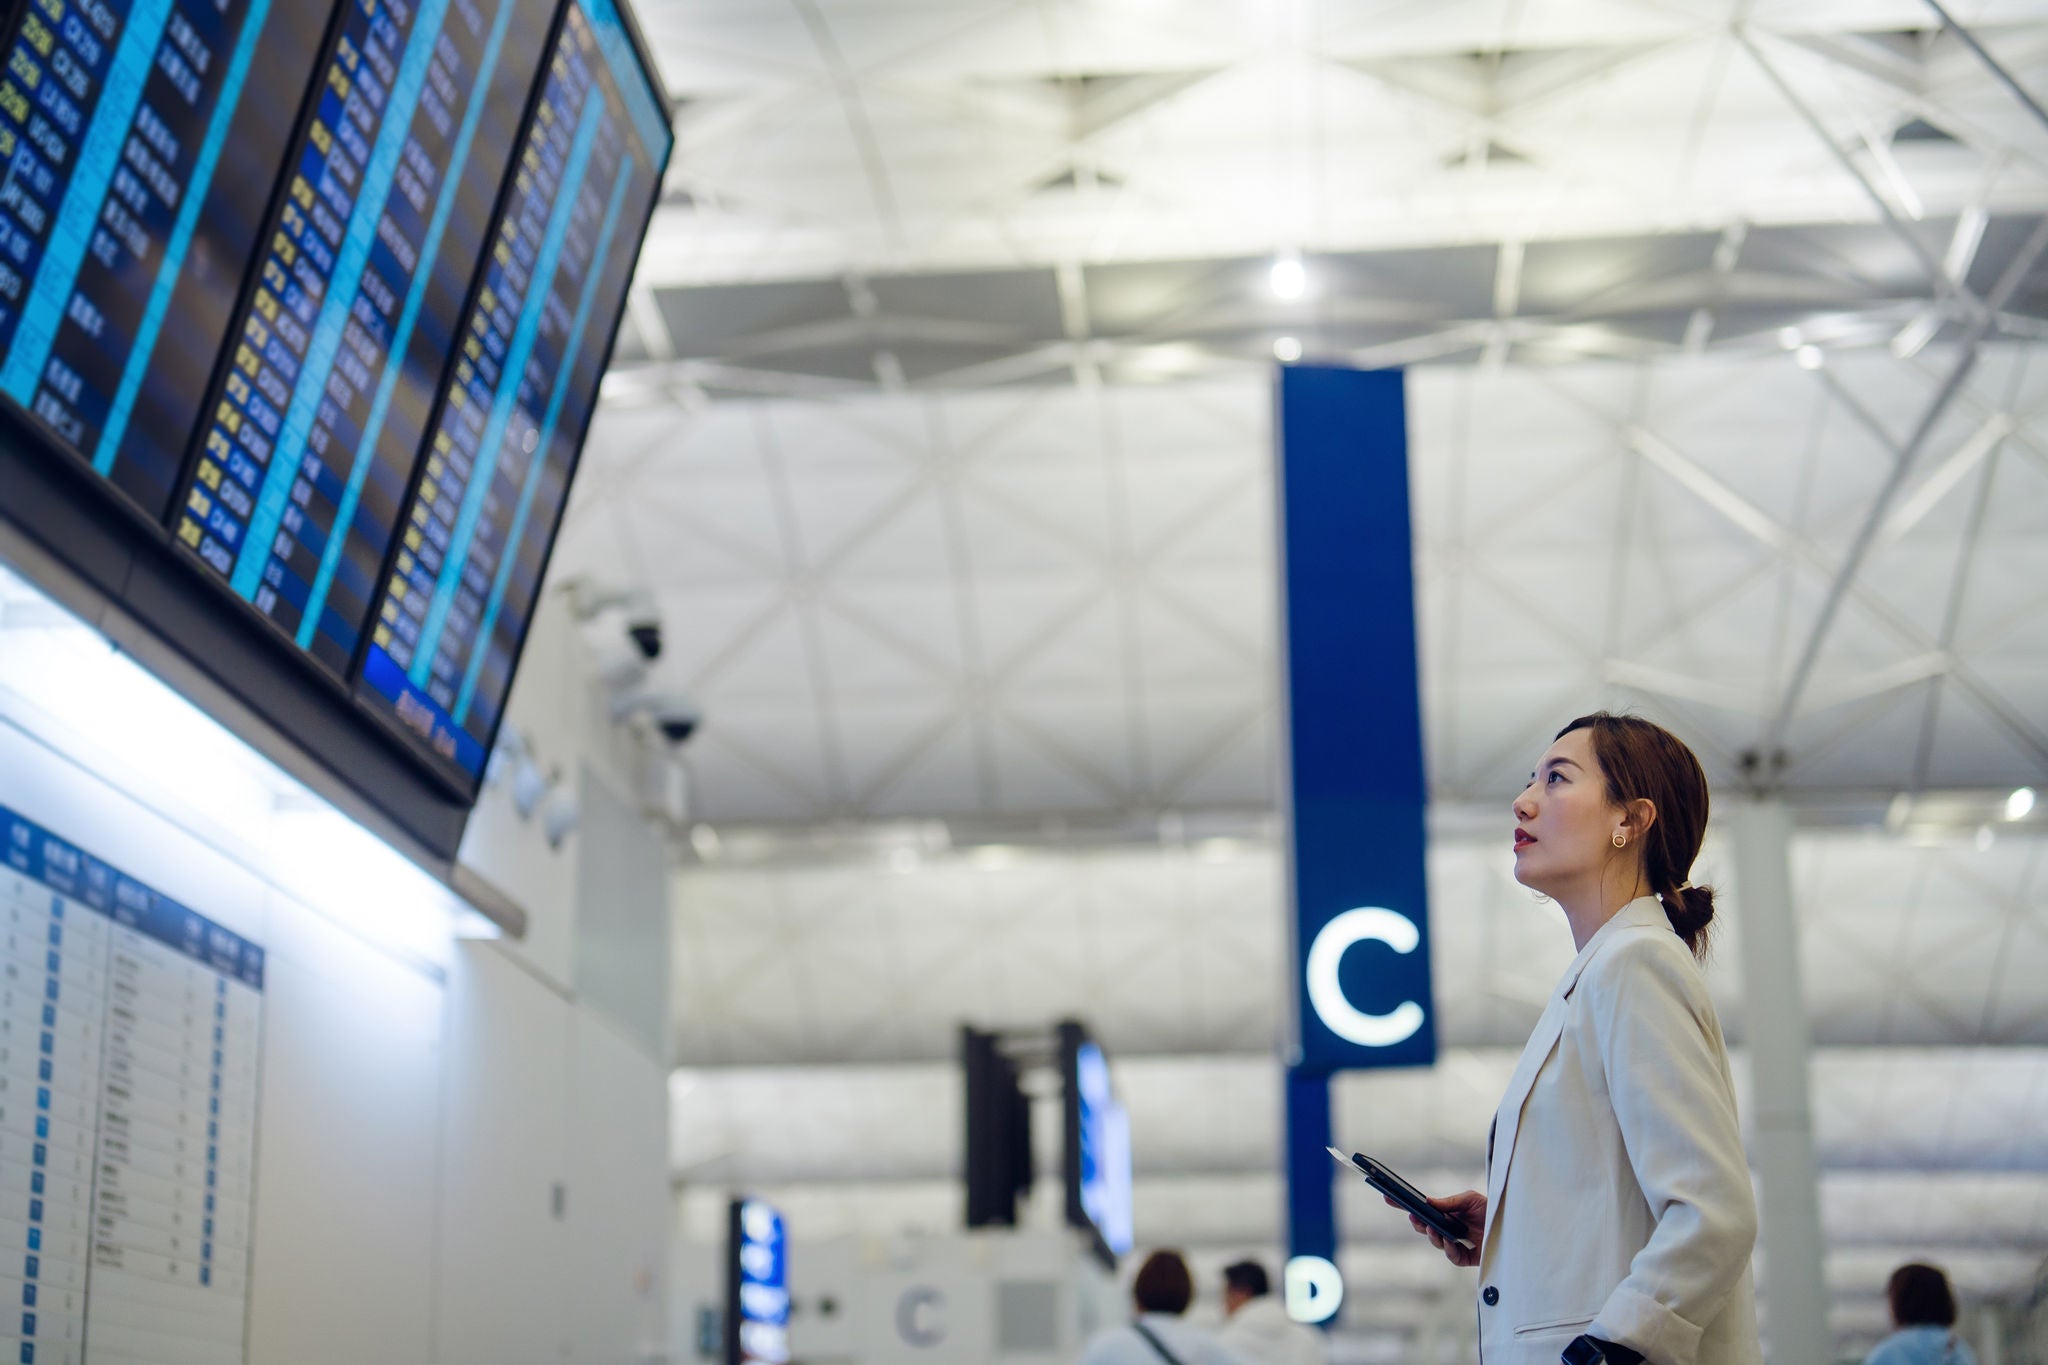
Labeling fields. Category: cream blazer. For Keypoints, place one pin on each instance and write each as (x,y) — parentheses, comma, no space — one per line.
(1617,1193)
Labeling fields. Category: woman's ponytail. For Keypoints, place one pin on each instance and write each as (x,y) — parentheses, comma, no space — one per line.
(1691,912)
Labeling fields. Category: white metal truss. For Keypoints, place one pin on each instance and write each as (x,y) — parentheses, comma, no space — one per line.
(1049,601)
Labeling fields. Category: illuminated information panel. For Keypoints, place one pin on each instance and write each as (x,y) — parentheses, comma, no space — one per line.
(504,443)
(342,343)
(140,142)
(129,1028)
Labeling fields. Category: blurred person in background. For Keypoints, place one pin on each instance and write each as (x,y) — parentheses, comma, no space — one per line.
(1259,1330)
(1924,1312)
(1161,1292)
(1618,1218)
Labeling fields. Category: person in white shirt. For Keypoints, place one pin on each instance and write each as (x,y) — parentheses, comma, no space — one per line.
(1259,1330)
(1157,1335)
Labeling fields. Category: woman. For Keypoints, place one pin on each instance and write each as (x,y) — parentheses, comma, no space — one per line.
(1618,1220)
(1924,1312)
(1156,1334)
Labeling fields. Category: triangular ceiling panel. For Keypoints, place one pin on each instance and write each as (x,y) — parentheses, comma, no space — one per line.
(1003,536)
(882,739)
(880,658)
(835,508)
(943,775)
(908,543)
(713,529)
(1085,657)
(1030,777)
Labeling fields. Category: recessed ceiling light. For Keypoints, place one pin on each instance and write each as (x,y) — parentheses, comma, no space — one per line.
(2019,804)
(1289,277)
(1809,357)
(1985,838)
(1286,350)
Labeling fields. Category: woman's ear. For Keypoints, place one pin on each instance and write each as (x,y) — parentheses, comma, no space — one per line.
(1637,816)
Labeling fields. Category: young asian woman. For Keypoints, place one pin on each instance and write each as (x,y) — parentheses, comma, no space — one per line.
(1618,1219)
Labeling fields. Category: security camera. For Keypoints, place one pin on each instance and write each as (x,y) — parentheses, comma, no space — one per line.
(678,722)
(674,715)
(589,600)
(644,630)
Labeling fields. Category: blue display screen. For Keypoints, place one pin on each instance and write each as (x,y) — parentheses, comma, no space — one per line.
(761,1283)
(341,343)
(1105,1151)
(139,143)
(476,531)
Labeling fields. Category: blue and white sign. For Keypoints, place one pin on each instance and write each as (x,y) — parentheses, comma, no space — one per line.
(1356,786)
(757,1308)
(1105,1152)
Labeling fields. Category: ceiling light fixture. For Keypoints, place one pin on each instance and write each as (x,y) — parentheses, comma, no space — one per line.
(1289,277)
(1286,350)
(2019,804)
(1809,357)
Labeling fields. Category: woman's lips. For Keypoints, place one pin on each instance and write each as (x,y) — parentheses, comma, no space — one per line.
(1523,839)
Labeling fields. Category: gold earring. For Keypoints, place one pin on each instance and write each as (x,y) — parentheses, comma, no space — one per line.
(1621,841)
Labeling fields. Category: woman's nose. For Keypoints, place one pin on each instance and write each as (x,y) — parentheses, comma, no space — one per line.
(1524,807)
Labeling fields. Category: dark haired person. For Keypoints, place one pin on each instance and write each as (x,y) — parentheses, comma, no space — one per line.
(1618,1219)
(1924,1312)
(1258,1330)
(1161,1292)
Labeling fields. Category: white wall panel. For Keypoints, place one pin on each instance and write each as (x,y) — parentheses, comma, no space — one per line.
(348,1146)
(503,1251)
(622,917)
(618,1196)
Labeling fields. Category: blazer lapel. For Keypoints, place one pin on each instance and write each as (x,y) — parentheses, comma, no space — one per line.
(1542,1041)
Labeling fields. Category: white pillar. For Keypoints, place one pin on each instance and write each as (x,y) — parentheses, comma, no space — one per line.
(1990,1335)
(1788,1177)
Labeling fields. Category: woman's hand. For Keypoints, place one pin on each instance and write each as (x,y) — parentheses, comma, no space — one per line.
(1470,1207)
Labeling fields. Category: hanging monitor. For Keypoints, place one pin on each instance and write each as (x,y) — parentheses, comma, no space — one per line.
(1098,1145)
(140,142)
(475,534)
(339,345)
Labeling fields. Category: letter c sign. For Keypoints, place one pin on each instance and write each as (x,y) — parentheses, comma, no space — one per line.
(1326,994)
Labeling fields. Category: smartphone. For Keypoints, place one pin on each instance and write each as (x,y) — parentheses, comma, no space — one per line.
(1448,1225)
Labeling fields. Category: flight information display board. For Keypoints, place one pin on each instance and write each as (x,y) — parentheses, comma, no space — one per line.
(141,141)
(504,443)
(342,341)
(129,1036)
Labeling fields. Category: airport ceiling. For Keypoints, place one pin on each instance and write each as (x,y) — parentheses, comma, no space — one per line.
(940,428)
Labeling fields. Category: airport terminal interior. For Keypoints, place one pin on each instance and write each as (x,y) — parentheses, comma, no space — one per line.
(782,682)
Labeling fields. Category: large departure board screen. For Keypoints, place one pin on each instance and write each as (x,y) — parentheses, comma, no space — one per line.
(141,140)
(341,343)
(504,442)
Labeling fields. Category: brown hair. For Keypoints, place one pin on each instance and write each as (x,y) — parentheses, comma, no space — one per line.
(1643,761)
(1163,1284)
(1921,1297)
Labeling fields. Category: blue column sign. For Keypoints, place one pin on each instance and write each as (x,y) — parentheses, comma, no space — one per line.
(1354,724)
(757,1302)
(1355,788)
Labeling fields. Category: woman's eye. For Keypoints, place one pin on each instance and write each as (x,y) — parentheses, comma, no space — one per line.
(1554,777)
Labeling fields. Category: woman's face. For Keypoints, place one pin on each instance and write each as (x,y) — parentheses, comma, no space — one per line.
(1564,824)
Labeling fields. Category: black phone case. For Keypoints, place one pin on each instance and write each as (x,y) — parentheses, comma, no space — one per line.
(1408,1197)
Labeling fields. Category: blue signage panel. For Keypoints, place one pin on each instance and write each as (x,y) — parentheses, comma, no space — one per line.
(1356,785)
(757,1306)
